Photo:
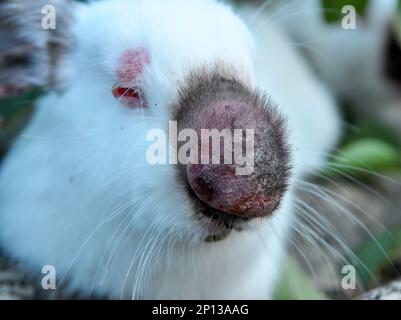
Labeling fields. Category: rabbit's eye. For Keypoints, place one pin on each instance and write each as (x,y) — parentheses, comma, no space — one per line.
(131,65)
(128,96)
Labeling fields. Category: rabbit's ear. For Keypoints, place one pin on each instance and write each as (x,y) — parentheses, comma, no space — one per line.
(34,36)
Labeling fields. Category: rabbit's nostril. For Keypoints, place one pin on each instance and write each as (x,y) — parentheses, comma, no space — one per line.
(242,196)
(204,187)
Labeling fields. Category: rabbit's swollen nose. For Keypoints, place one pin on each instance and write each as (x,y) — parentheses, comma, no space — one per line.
(243,164)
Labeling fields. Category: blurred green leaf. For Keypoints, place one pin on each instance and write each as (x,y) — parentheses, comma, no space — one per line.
(370,129)
(364,156)
(14,114)
(378,254)
(332,8)
(10,106)
(296,285)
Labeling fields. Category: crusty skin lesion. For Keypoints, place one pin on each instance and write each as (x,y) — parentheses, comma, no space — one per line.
(29,55)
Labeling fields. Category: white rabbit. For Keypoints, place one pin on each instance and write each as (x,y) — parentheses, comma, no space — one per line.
(76,189)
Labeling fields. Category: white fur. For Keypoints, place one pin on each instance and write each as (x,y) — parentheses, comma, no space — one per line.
(77,180)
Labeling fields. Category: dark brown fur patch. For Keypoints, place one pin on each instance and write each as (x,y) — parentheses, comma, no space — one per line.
(392,58)
(30,55)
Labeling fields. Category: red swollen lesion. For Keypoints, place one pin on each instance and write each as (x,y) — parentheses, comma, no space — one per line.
(132,64)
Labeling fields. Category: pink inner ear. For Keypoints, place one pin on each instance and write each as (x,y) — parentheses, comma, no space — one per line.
(131,64)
